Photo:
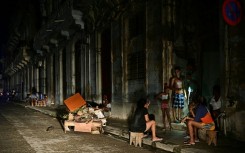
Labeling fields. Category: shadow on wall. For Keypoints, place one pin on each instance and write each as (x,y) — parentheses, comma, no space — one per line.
(131,113)
(133,108)
(136,95)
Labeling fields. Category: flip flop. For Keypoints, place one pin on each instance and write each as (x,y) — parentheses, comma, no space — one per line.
(176,121)
(145,135)
(158,139)
(190,144)
(171,128)
(197,140)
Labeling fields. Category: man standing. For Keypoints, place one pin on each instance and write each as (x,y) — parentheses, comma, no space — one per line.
(179,95)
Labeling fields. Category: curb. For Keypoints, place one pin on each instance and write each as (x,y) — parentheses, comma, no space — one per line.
(122,133)
(47,112)
(146,141)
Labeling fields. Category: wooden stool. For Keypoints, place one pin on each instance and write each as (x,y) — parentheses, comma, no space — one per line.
(42,102)
(97,127)
(38,103)
(211,137)
(136,138)
(33,102)
(68,123)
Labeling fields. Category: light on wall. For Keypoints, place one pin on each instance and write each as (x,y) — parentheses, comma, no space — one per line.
(40,63)
(59,20)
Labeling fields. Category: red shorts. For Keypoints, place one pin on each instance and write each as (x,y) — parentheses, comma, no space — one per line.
(164,105)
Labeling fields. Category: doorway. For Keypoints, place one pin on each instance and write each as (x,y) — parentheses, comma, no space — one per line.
(78,67)
(106,63)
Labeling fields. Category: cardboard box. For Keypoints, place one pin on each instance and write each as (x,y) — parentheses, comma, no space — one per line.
(75,102)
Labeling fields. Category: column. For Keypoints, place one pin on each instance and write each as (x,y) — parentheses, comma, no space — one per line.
(60,81)
(73,72)
(98,67)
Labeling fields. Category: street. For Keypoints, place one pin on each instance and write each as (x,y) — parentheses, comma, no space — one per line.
(25,130)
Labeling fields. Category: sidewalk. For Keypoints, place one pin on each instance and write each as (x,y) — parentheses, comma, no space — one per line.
(172,140)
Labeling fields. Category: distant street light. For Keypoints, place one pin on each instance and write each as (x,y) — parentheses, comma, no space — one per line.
(40,63)
(59,20)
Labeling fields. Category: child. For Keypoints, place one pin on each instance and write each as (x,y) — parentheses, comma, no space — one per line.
(164,97)
(106,105)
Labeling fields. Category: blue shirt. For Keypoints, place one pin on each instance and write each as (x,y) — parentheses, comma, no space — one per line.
(201,111)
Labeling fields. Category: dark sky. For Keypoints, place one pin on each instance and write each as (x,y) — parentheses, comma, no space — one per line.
(7,10)
(3,26)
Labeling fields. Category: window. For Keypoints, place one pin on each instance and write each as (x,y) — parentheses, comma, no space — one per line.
(136,65)
(136,25)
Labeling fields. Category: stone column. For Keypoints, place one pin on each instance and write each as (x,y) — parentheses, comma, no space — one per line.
(50,80)
(83,68)
(32,77)
(28,82)
(37,79)
(24,83)
(44,76)
(98,67)
(25,78)
(73,71)
(60,79)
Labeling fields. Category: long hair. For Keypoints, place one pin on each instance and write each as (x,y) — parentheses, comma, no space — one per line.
(141,102)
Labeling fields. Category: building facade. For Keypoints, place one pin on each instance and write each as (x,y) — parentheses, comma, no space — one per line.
(127,49)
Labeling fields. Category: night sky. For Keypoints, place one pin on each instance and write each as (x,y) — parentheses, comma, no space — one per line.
(7,9)
(4,18)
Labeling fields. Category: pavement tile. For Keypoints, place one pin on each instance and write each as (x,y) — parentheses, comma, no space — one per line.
(172,140)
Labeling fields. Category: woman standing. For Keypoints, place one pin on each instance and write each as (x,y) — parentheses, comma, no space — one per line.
(215,104)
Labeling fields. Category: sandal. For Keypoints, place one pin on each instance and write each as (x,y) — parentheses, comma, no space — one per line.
(171,128)
(190,144)
(197,140)
(157,139)
(145,135)
(176,121)
(187,137)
